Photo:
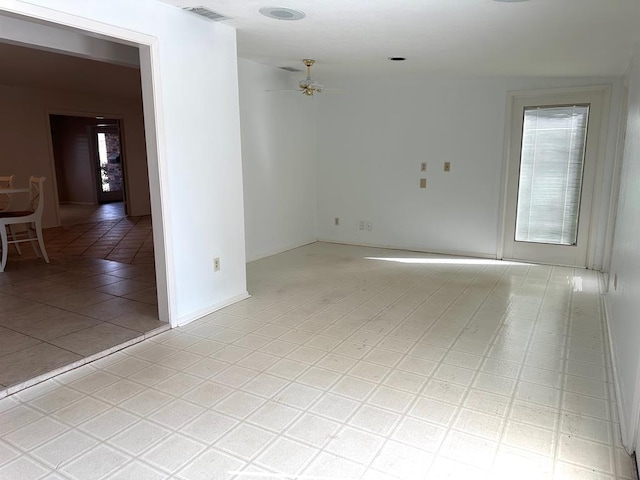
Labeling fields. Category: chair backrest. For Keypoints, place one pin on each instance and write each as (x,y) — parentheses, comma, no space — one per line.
(36,195)
(6,181)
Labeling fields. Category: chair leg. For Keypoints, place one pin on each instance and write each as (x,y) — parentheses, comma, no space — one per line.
(5,247)
(12,231)
(43,251)
(33,236)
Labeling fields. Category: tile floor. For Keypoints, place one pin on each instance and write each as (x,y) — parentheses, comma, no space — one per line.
(124,240)
(90,298)
(59,314)
(351,363)
(76,214)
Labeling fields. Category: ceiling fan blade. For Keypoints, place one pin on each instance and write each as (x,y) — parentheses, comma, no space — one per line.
(284,90)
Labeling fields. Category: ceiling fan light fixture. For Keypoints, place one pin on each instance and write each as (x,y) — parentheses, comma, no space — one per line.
(308,85)
(282,13)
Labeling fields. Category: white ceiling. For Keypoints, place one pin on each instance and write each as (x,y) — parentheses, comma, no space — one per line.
(471,37)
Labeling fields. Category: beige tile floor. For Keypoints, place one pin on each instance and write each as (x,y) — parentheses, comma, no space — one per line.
(80,304)
(347,362)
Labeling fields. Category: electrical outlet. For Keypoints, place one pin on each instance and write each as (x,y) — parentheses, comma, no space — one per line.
(216,264)
(369,226)
(423,167)
(423,183)
(336,221)
(447,166)
(362,225)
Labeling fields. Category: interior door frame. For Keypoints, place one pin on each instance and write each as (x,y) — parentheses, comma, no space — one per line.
(154,119)
(604,91)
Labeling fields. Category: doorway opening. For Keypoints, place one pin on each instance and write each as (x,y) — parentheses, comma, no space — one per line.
(108,159)
(89,158)
(99,293)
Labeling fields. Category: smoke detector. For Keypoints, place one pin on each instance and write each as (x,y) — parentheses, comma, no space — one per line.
(282,13)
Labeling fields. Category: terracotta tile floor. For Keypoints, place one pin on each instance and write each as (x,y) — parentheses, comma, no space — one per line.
(75,214)
(125,240)
(98,292)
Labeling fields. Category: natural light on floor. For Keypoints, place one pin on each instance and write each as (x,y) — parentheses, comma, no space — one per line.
(576,283)
(448,261)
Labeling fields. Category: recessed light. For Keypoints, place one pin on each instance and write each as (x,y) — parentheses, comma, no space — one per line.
(397,59)
(281,13)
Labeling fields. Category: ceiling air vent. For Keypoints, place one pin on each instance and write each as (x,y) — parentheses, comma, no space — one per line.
(291,69)
(206,13)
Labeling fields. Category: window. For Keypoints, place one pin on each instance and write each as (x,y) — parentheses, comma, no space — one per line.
(551,169)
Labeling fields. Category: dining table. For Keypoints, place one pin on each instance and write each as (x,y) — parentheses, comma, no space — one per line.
(13,191)
(4,191)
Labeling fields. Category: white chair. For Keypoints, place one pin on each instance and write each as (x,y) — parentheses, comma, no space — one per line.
(6,181)
(9,204)
(31,218)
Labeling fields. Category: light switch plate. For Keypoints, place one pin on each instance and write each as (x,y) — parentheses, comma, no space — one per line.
(423,183)
(447,166)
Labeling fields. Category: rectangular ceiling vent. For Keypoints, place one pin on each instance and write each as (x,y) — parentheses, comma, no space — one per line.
(206,13)
(291,69)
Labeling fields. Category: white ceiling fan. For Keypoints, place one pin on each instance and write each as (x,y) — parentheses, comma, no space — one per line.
(307,86)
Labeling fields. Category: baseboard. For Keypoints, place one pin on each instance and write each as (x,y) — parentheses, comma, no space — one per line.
(79,203)
(613,358)
(412,249)
(280,250)
(210,309)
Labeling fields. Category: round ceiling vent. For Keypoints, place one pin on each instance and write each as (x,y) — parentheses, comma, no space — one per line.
(281,13)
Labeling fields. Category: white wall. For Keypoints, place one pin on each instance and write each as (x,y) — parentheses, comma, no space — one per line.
(278,161)
(372,139)
(623,302)
(195,171)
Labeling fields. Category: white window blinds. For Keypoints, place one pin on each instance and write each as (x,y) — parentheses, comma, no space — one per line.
(551,166)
